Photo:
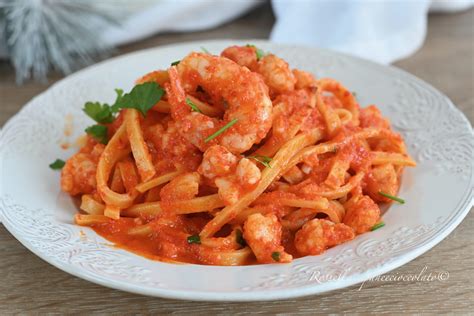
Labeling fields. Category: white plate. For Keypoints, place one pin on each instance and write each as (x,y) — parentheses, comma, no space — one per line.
(438,192)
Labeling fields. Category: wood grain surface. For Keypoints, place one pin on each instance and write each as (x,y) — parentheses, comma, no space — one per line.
(29,285)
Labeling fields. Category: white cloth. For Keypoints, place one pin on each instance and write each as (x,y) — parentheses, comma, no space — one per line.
(378,30)
(176,15)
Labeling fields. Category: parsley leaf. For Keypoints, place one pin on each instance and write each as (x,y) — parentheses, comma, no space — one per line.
(194,239)
(276,256)
(142,97)
(101,113)
(259,52)
(174,63)
(57,164)
(119,94)
(239,238)
(98,132)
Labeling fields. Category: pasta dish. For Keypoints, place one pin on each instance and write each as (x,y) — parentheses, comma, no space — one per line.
(234,159)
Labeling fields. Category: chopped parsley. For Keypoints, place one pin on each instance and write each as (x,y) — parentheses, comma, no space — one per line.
(391,197)
(174,63)
(58,164)
(264,160)
(276,256)
(101,113)
(98,132)
(258,52)
(142,97)
(239,238)
(194,239)
(192,105)
(221,130)
(377,226)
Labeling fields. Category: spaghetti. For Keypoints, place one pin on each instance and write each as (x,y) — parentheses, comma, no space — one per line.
(241,161)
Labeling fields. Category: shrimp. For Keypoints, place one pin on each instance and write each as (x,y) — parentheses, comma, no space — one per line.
(275,71)
(232,179)
(319,234)
(382,178)
(247,172)
(217,161)
(228,190)
(277,74)
(183,187)
(290,112)
(171,146)
(78,175)
(303,79)
(263,235)
(230,175)
(244,92)
(361,213)
(243,55)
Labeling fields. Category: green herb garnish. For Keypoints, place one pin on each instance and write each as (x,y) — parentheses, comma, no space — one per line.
(264,160)
(377,226)
(194,239)
(57,164)
(98,132)
(142,97)
(259,52)
(239,238)
(391,197)
(101,113)
(174,63)
(119,94)
(192,105)
(221,130)
(205,50)
(276,256)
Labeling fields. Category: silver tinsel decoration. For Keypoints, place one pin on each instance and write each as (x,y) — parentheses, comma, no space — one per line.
(42,35)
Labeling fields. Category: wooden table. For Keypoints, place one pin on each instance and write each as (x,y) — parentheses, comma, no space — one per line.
(446,61)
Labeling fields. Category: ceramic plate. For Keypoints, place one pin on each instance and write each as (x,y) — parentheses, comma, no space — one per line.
(438,192)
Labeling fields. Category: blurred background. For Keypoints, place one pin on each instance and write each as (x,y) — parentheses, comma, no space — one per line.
(43,40)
